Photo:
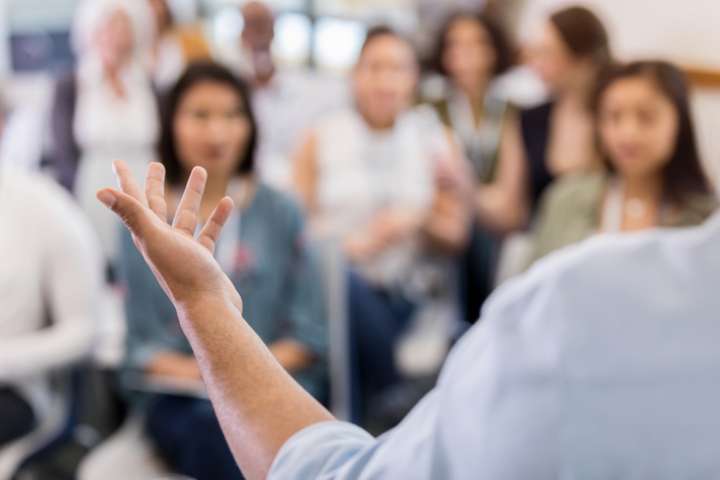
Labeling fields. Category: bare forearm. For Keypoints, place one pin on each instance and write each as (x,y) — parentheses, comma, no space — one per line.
(499,212)
(257,402)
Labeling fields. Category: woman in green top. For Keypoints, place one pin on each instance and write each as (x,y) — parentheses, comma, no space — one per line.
(653,176)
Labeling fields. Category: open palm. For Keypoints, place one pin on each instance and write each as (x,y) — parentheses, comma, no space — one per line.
(181,261)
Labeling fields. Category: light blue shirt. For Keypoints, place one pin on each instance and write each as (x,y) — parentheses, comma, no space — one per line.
(603,362)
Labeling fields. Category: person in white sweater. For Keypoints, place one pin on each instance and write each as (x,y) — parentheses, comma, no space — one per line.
(50,278)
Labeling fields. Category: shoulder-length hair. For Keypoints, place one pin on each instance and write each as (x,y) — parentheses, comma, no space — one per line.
(197,73)
(505,52)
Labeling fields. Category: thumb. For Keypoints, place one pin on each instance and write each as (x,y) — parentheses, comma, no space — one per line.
(130,211)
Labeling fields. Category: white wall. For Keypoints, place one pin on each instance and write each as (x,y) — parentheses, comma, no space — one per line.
(681,30)
(684,31)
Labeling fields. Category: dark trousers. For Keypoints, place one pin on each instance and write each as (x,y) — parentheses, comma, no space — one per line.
(477,271)
(188,437)
(377,319)
(16,416)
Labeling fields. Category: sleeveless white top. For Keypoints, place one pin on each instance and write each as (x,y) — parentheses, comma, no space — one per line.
(362,172)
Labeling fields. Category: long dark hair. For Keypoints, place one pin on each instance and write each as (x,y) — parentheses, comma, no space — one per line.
(683,175)
(505,51)
(584,34)
(196,73)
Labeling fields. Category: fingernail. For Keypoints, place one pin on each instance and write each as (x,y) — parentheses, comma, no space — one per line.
(107,198)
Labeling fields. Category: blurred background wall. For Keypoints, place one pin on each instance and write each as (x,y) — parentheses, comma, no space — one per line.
(34,38)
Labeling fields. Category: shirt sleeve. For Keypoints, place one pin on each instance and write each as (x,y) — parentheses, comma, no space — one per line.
(338,450)
(467,427)
(72,279)
(414,449)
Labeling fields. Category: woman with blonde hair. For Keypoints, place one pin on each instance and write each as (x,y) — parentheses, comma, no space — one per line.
(106,108)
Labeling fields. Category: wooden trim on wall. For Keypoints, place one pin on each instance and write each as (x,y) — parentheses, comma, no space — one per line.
(703,77)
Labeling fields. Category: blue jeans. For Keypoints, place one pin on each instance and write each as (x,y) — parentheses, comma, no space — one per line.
(188,437)
(377,319)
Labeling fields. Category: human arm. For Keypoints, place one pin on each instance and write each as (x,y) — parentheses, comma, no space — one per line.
(263,412)
(447,224)
(257,402)
(502,206)
(305,172)
(71,276)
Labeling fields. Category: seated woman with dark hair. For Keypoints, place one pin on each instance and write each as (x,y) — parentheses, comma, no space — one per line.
(208,122)
(554,139)
(654,175)
(473,50)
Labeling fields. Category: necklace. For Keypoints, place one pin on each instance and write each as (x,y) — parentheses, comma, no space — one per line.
(636,209)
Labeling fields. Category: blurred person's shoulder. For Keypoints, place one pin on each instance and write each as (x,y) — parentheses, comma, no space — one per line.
(427,119)
(41,199)
(696,210)
(35,187)
(580,191)
(580,280)
(279,205)
(615,262)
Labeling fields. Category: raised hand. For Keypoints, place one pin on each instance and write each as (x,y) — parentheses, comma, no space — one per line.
(257,403)
(182,263)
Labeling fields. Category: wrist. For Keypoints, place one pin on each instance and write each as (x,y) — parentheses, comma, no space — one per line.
(202,306)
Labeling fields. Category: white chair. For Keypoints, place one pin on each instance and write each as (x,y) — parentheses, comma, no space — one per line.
(333,270)
(127,454)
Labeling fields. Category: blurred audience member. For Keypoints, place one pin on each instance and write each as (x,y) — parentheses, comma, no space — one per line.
(654,175)
(208,122)
(21,128)
(368,177)
(173,46)
(555,138)
(49,284)
(106,109)
(286,100)
(473,50)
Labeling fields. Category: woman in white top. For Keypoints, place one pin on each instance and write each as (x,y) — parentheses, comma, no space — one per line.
(107,109)
(383,179)
(49,284)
